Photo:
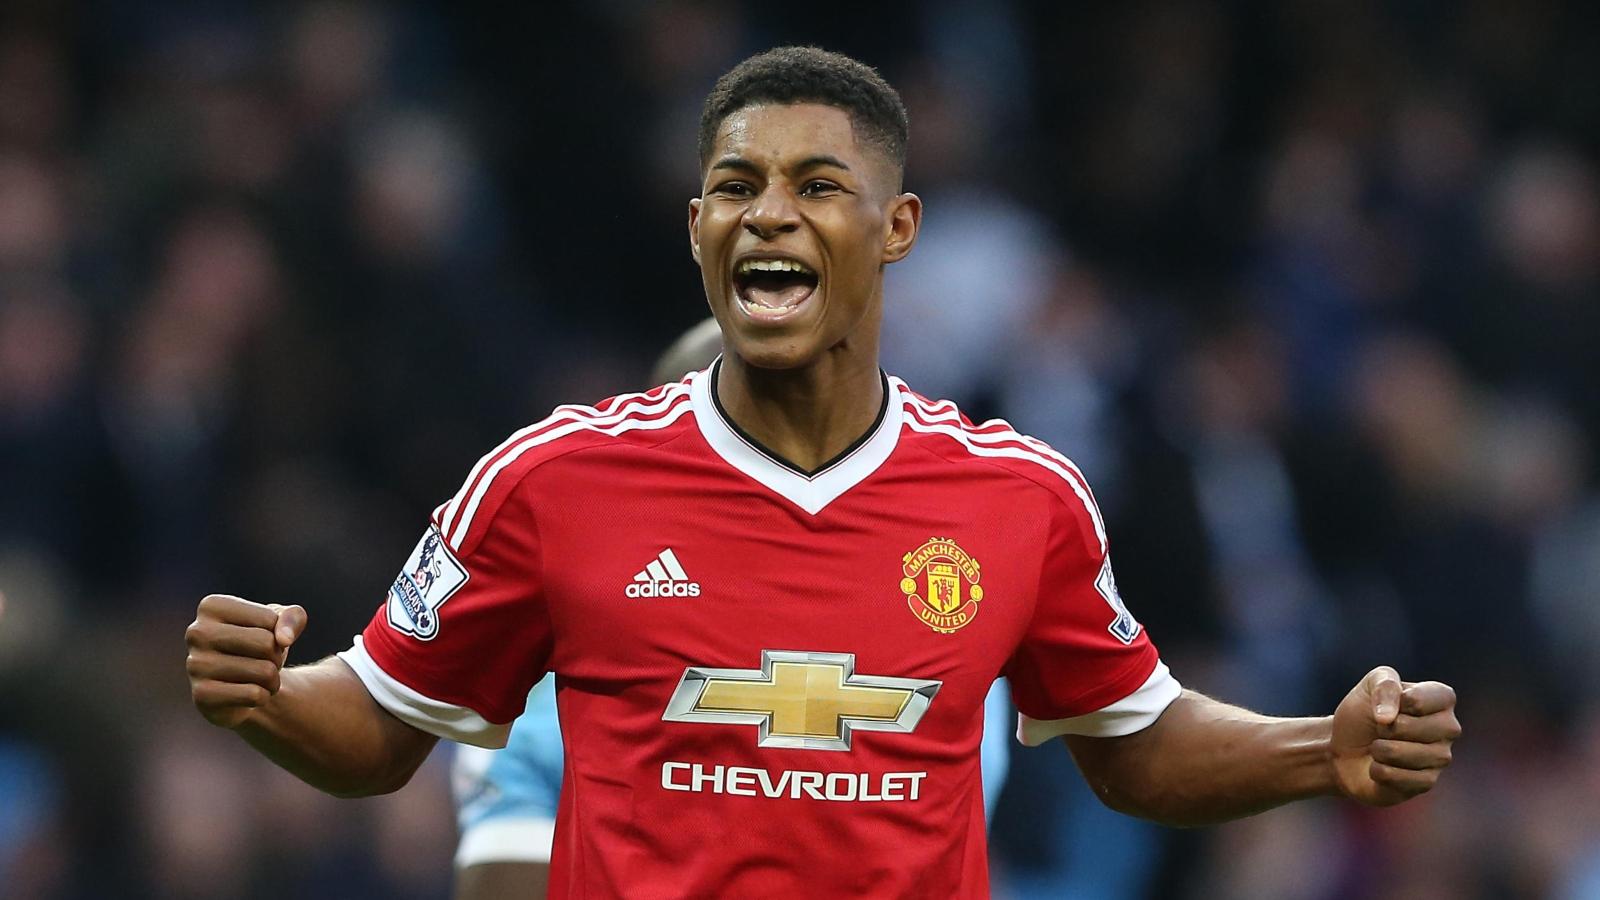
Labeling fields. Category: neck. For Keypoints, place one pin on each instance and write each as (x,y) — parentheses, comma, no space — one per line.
(807,416)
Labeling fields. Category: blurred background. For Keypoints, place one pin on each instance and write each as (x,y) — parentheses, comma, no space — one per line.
(1311,290)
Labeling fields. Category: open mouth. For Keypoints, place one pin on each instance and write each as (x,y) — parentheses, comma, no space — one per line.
(773,288)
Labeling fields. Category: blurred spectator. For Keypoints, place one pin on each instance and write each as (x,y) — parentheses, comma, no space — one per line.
(30,848)
(1311,291)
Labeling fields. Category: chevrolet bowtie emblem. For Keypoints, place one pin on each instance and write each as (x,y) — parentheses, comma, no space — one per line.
(810,701)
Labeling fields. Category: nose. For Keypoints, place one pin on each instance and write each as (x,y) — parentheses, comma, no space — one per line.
(772,213)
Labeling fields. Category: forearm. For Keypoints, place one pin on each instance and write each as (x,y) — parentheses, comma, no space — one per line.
(1205,761)
(323,727)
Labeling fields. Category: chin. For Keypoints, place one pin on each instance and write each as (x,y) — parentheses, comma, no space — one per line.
(766,349)
(773,353)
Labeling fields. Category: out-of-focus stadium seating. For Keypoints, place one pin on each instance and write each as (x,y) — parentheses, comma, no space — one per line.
(1311,290)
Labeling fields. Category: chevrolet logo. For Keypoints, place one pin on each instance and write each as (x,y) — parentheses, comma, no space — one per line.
(810,701)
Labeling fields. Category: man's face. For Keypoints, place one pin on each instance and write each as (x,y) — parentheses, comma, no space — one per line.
(792,228)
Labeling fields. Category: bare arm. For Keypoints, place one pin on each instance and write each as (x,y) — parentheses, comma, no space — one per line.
(503,881)
(1204,761)
(325,728)
(317,721)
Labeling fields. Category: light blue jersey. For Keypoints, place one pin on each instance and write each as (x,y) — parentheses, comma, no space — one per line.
(506,799)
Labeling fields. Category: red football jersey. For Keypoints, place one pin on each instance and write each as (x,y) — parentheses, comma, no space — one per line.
(770,682)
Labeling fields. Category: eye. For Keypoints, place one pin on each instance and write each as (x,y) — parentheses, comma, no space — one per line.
(817,187)
(733,189)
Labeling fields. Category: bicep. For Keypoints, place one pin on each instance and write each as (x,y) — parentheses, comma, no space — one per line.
(406,744)
(1109,760)
(502,881)
(1118,767)
(1191,723)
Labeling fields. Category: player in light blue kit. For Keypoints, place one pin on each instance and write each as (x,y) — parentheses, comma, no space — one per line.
(506,805)
(506,799)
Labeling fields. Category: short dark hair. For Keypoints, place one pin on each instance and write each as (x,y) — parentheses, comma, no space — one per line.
(786,75)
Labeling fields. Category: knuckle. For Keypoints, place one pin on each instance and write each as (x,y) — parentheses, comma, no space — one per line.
(252,643)
(265,671)
(195,634)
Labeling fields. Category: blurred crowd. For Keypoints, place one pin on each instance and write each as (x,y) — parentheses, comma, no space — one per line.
(1310,290)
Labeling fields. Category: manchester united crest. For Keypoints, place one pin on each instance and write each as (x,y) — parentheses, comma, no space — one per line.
(935,574)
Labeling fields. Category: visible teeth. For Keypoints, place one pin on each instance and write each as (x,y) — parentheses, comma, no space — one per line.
(772,265)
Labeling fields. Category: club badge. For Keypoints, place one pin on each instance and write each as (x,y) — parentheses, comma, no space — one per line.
(941,585)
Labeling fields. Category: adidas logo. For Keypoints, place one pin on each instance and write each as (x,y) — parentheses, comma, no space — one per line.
(664,577)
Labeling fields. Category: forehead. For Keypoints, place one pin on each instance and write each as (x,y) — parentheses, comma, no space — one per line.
(774,132)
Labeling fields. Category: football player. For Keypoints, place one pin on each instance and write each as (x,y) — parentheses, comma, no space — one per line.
(777,593)
(506,799)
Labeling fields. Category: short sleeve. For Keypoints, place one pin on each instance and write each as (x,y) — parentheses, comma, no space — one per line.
(1084,665)
(463,633)
(506,799)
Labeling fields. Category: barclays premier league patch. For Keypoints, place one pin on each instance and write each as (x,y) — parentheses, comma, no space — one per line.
(429,578)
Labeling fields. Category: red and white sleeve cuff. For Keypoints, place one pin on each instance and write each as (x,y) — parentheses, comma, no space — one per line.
(446,720)
(1135,712)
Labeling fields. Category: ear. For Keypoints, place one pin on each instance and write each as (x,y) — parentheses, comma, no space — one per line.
(694,229)
(904,221)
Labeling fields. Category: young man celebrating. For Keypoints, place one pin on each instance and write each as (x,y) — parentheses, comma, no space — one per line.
(775,594)
(506,799)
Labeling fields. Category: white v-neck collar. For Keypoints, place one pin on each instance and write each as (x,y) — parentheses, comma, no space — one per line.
(809,492)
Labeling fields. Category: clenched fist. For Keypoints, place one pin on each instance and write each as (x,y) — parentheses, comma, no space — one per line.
(236,651)
(1392,738)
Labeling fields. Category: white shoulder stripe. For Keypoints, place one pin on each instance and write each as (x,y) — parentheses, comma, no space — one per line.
(983,445)
(626,405)
(931,406)
(946,411)
(612,426)
(987,433)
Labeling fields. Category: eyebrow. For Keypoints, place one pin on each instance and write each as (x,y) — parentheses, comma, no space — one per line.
(823,159)
(740,164)
(736,163)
